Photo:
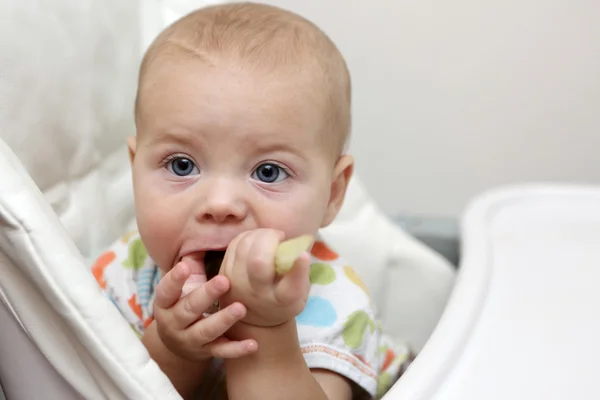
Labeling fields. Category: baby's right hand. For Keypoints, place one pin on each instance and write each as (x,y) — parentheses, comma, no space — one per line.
(180,322)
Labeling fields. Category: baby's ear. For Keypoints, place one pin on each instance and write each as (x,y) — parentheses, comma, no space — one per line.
(131,143)
(342,173)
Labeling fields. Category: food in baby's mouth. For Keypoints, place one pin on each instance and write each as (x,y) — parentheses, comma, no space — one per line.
(288,252)
(286,255)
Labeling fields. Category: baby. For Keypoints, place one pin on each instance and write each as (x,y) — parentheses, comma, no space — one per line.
(242,116)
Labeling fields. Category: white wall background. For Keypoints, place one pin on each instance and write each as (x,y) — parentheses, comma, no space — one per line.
(454,97)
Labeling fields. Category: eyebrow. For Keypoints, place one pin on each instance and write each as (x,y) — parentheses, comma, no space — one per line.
(271,146)
(257,144)
(181,137)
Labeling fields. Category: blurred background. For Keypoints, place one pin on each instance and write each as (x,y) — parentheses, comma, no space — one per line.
(455,97)
(450,98)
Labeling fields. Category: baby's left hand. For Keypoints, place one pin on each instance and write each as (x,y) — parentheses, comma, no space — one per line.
(270,299)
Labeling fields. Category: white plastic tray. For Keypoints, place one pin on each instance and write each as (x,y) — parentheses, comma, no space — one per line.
(523,321)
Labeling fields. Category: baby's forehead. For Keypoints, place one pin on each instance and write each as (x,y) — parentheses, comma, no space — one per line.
(286,103)
(270,42)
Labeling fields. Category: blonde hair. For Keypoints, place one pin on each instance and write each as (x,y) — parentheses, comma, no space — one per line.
(263,36)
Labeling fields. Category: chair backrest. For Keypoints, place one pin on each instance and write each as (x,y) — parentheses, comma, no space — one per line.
(67,84)
(27,363)
(67,81)
(60,337)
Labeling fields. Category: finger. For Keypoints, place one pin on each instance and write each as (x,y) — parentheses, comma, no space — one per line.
(244,244)
(261,257)
(168,290)
(196,263)
(215,325)
(295,285)
(194,281)
(191,307)
(230,254)
(197,277)
(232,349)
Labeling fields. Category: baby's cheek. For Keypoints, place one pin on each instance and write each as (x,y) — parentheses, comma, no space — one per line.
(159,230)
(157,244)
(295,219)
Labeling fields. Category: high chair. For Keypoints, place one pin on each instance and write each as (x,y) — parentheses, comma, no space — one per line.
(521,321)
(68,79)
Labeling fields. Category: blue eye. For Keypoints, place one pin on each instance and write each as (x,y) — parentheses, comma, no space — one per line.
(181,166)
(269,173)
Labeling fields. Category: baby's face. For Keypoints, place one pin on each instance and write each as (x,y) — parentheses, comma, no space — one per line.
(221,151)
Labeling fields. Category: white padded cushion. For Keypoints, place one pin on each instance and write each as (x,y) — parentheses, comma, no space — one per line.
(67,84)
(49,289)
(408,281)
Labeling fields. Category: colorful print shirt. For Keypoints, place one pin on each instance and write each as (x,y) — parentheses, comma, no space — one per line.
(337,329)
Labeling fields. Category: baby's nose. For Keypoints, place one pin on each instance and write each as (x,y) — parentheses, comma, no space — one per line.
(222,202)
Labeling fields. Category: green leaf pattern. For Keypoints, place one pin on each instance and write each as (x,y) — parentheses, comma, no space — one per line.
(355,328)
(321,274)
(137,255)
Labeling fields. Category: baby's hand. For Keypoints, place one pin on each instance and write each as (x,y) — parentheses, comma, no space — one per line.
(180,322)
(270,299)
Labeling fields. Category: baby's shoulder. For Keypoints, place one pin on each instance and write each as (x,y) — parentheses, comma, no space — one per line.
(335,282)
(329,268)
(128,251)
(338,329)
(128,278)
(123,262)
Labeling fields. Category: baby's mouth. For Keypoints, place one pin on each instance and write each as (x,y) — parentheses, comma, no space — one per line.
(212,262)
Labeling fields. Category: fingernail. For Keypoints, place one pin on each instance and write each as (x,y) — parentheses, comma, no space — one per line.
(237,310)
(252,345)
(219,284)
(182,271)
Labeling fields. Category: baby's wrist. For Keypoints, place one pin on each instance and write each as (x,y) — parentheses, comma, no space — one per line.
(262,321)
(262,333)
(278,348)
(184,374)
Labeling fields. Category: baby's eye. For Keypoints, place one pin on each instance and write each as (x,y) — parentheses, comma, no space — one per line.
(182,166)
(269,173)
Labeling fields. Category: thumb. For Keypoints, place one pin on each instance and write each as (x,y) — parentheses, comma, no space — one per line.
(195,263)
(295,285)
(197,273)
